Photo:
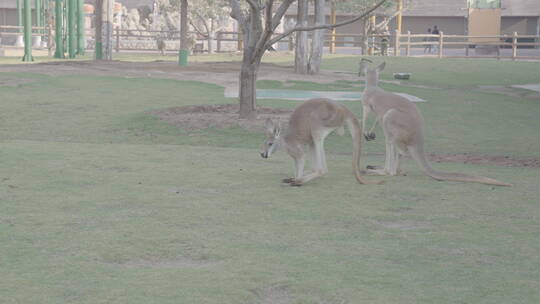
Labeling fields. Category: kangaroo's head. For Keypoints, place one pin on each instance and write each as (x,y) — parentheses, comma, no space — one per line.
(364,65)
(273,138)
(372,75)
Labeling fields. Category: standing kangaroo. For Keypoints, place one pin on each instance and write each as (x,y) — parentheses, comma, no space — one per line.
(309,125)
(403,128)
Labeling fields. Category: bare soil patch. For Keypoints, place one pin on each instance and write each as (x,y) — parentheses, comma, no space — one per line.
(273,294)
(513,91)
(7,81)
(405,224)
(196,118)
(495,160)
(225,74)
(180,262)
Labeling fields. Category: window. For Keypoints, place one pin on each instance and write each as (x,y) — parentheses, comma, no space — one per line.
(484,3)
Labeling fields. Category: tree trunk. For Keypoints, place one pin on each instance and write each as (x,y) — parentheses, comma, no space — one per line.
(317,43)
(248,78)
(183,25)
(211,35)
(365,34)
(184,48)
(107,29)
(210,38)
(300,53)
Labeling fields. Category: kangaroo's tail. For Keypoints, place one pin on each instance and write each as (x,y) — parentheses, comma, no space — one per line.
(356,133)
(417,153)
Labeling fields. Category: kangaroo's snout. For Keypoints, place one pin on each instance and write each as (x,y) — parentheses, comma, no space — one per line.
(264,155)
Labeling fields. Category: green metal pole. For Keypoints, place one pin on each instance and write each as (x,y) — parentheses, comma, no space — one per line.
(27,32)
(38,21)
(80,27)
(38,13)
(72,39)
(59,20)
(19,14)
(19,41)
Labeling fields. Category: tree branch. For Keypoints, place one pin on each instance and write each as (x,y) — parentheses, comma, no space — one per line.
(236,12)
(388,19)
(324,26)
(282,9)
(204,23)
(254,5)
(268,31)
(197,29)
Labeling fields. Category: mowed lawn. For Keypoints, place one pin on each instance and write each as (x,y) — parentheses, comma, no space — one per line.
(102,203)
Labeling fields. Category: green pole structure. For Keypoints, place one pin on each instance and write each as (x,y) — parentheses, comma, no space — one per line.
(72,18)
(38,20)
(19,41)
(19,14)
(27,32)
(38,13)
(80,27)
(59,20)
(183,57)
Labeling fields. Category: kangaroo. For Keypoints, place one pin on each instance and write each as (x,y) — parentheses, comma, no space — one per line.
(310,123)
(161,45)
(403,128)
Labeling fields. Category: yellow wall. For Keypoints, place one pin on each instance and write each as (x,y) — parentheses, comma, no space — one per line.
(484,22)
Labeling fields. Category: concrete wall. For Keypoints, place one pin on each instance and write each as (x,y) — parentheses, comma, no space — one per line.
(521,25)
(8,16)
(447,25)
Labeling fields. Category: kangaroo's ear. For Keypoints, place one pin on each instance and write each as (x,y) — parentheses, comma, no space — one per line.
(381,66)
(277,128)
(363,67)
(270,126)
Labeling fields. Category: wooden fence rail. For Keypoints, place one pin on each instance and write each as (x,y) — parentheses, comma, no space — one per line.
(487,46)
(382,44)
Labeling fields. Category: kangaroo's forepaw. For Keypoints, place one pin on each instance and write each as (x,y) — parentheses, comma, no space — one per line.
(288,180)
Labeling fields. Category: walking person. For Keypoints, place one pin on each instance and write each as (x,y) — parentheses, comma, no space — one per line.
(436,39)
(427,47)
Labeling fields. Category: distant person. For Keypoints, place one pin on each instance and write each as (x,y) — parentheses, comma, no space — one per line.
(427,47)
(436,39)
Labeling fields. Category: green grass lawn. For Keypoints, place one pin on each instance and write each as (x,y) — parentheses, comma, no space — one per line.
(102,203)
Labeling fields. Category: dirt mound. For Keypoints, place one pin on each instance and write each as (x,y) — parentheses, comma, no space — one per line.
(195,118)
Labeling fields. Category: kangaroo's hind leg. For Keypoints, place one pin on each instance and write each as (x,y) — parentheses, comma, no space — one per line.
(297,153)
(319,161)
(397,147)
(389,153)
(387,161)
